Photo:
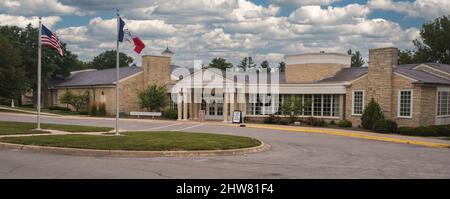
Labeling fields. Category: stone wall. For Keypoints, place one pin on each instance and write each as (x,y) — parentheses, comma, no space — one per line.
(129,89)
(380,77)
(307,73)
(156,70)
(383,85)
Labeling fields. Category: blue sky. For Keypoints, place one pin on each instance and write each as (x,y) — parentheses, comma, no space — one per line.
(204,29)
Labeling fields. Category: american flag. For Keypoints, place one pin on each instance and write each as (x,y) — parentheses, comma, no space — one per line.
(50,39)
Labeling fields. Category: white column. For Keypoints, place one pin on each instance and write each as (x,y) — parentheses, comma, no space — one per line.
(180,105)
(225,106)
(232,104)
(185,104)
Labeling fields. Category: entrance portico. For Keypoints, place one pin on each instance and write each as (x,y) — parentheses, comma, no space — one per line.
(212,97)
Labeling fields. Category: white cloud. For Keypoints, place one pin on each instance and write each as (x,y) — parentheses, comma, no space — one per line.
(330,15)
(427,9)
(227,28)
(37,7)
(21,21)
(302,2)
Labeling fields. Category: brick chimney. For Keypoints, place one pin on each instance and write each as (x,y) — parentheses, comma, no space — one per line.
(156,70)
(382,62)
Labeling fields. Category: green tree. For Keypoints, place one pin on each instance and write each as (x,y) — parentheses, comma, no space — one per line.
(26,40)
(371,114)
(220,63)
(357,60)
(153,98)
(246,63)
(12,72)
(265,64)
(282,66)
(78,102)
(433,46)
(294,106)
(108,58)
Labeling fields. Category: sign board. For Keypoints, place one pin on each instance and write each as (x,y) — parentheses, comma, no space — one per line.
(237,117)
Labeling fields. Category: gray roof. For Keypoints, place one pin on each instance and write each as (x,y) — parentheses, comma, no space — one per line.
(422,76)
(442,67)
(349,74)
(346,74)
(98,77)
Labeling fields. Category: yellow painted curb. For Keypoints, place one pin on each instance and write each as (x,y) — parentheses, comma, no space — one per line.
(354,135)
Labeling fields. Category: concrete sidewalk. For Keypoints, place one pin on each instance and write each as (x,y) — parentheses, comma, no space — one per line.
(422,141)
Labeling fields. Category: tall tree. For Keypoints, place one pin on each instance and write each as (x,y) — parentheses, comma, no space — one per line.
(107,59)
(26,40)
(12,72)
(220,63)
(246,63)
(282,66)
(433,46)
(265,64)
(357,60)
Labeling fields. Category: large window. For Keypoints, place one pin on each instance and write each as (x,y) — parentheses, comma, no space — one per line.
(358,102)
(319,105)
(405,103)
(443,108)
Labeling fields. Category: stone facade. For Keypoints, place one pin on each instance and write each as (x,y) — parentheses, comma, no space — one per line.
(157,70)
(307,73)
(383,85)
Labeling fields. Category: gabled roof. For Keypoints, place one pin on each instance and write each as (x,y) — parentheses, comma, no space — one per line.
(346,75)
(422,76)
(442,67)
(408,70)
(98,77)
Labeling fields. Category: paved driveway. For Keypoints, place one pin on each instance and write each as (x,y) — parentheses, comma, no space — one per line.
(293,155)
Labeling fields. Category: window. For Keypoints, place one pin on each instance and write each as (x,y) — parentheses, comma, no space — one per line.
(335,106)
(358,102)
(443,108)
(317,105)
(405,103)
(307,100)
(212,108)
(327,105)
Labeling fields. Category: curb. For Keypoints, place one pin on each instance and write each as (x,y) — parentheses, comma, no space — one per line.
(137,154)
(358,135)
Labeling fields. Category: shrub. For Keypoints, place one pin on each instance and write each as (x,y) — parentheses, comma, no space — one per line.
(93,110)
(79,102)
(315,121)
(101,110)
(418,131)
(385,126)
(332,123)
(153,98)
(345,123)
(442,130)
(371,114)
(272,119)
(170,114)
(57,108)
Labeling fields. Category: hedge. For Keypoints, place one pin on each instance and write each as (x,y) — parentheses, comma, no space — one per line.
(385,126)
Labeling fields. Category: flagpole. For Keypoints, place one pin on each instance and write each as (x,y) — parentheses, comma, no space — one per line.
(117,74)
(39,78)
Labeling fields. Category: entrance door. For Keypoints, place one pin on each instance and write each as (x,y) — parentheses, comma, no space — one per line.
(214,111)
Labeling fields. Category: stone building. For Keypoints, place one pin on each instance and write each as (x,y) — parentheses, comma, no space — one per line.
(411,95)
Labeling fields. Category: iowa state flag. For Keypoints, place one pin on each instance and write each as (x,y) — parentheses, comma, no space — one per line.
(138,44)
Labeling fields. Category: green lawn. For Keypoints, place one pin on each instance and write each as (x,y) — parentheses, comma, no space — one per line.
(7,128)
(141,141)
